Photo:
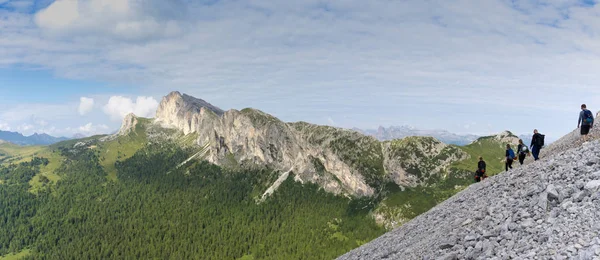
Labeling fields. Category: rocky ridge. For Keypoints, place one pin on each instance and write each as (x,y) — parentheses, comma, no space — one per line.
(129,123)
(34,139)
(545,210)
(341,161)
(422,157)
(252,136)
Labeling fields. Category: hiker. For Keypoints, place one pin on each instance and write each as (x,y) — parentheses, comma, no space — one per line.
(480,173)
(586,120)
(510,156)
(523,151)
(537,142)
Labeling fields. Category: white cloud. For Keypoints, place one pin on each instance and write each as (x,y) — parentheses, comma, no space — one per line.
(90,128)
(4,127)
(123,19)
(39,118)
(25,128)
(85,105)
(372,60)
(60,14)
(118,107)
(37,113)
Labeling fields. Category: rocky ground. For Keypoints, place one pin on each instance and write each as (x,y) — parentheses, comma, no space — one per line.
(549,209)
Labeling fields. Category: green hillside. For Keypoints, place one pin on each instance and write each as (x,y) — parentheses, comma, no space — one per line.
(491,151)
(199,211)
(401,205)
(125,197)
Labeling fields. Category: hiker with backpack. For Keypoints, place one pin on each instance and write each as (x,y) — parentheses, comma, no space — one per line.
(537,142)
(523,151)
(510,156)
(586,120)
(480,173)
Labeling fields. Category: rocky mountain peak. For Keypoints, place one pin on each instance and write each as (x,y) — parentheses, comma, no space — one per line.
(339,160)
(129,123)
(184,112)
(507,137)
(187,103)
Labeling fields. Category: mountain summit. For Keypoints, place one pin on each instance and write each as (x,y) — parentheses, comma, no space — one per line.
(341,161)
(252,136)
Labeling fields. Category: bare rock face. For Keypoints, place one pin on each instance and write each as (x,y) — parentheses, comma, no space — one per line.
(184,112)
(129,123)
(507,137)
(341,161)
(253,136)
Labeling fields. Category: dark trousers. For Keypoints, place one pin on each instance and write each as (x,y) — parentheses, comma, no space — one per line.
(508,164)
(522,158)
(535,150)
(479,176)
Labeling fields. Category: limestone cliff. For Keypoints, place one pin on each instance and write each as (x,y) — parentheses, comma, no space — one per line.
(129,123)
(339,160)
(252,136)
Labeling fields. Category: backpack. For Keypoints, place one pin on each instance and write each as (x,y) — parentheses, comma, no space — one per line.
(524,149)
(587,116)
(511,154)
(540,140)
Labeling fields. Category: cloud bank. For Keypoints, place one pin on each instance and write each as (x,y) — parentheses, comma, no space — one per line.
(85,105)
(508,64)
(121,19)
(118,107)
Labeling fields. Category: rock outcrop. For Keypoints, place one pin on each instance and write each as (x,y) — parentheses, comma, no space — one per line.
(185,112)
(129,123)
(545,210)
(252,136)
(422,157)
(507,137)
(341,161)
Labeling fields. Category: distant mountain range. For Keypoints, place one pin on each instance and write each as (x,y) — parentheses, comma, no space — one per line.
(399,132)
(35,139)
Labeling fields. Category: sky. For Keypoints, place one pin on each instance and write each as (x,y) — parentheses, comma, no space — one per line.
(78,66)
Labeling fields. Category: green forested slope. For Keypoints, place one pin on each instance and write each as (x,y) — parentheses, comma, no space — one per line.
(197,212)
(125,198)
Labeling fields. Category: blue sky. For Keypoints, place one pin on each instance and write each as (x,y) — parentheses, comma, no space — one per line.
(78,66)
